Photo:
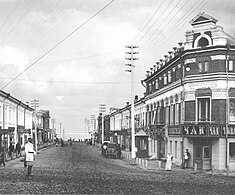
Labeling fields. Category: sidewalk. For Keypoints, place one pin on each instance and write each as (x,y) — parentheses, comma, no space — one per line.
(8,158)
(153,165)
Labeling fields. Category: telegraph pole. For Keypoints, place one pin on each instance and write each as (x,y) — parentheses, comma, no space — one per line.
(60,129)
(35,104)
(102,109)
(131,64)
(53,129)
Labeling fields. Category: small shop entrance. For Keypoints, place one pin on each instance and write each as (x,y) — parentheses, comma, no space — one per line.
(202,155)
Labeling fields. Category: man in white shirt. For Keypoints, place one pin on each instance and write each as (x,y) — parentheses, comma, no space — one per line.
(29,155)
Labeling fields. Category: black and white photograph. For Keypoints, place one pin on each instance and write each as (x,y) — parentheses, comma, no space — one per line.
(117,97)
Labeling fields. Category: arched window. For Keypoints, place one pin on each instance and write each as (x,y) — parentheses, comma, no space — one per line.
(203,42)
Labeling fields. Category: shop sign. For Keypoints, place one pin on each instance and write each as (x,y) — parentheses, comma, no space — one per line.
(21,131)
(174,131)
(158,129)
(213,130)
(231,131)
(7,131)
(194,130)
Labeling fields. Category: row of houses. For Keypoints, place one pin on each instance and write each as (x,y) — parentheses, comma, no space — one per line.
(17,122)
(188,103)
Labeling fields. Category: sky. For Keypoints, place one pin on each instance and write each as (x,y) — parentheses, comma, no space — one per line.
(70,54)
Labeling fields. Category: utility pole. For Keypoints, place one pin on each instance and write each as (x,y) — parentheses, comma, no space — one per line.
(35,104)
(63,134)
(53,129)
(93,128)
(60,129)
(102,109)
(131,64)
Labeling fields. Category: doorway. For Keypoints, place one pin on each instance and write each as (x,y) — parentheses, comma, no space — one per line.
(202,157)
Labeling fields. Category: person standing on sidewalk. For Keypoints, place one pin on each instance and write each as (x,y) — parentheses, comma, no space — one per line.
(186,158)
(18,149)
(11,150)
(169,159)
(29,155)
(2,156)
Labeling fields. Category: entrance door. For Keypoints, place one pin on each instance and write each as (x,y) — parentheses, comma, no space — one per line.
(202,157)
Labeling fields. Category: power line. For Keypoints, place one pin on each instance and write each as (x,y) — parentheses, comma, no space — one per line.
(56,45)
(148,21)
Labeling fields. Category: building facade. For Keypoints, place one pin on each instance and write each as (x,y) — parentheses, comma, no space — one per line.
(15,120)
(190,97)
(189,102)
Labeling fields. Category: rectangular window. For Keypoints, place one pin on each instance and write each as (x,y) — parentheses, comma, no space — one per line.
(172,114)
(167,115)
(177,114)
(232,109)
(143,145)
(165,79)
(206,66)
(169,77)
(230,65)
(232,152)
(203,113)
(200,67)
(156,83)
(176,153)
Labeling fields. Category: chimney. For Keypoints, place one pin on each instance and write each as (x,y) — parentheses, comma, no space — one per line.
(136,98)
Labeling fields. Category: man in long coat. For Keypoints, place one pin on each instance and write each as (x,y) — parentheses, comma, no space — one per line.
(29,155)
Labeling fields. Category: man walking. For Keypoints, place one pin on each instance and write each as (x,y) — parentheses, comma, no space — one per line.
(29,155)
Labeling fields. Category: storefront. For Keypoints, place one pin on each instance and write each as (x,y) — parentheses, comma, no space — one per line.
(157,135)
(203,141)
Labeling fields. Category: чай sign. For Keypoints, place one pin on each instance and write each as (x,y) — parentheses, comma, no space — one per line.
(194,130)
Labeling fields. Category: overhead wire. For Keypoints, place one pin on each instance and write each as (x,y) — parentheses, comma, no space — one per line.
(194,9)
(160,25)
(155,21)
(147,22)
(57,44)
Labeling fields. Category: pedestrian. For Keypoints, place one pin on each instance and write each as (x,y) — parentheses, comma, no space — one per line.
(119,152)
(186,158)
(62,142)
(29,155)
(169,159)
(2,157)
(11,150)
(18,149)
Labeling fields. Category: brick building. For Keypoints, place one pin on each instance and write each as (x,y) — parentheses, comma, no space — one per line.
(190,97)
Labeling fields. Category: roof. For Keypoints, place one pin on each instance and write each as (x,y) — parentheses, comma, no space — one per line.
(141,133)
(201,18)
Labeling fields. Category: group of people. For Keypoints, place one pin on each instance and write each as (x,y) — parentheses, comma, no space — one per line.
(28,158)
(169,160)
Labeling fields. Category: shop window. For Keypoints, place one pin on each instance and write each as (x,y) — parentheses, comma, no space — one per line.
(232,109)
(231,152)
(203,113)
(230,65)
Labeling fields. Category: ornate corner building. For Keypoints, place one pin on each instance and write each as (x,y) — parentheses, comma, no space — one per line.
(190,98)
